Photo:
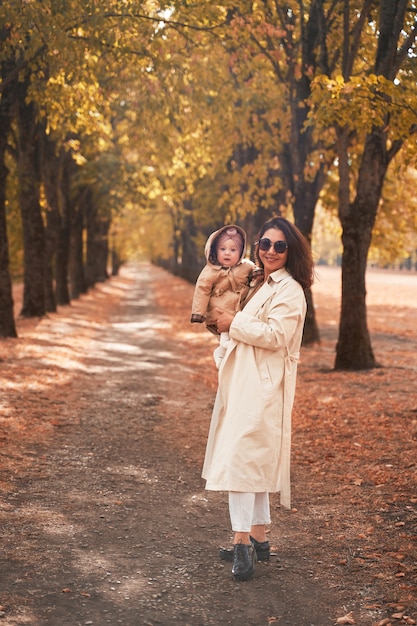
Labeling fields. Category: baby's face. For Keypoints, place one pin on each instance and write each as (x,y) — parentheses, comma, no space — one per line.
(228,253)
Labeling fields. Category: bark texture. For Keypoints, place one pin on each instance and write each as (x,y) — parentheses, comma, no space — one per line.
(29,200)
(7,324)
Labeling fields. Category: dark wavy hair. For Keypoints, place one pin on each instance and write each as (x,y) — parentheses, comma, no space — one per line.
(299,261)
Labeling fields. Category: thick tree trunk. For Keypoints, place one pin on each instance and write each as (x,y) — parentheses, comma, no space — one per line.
(29,200)
(7,323)
(354,350)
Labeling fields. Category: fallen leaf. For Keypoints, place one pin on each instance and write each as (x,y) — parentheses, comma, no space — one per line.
(346,619)
(397,555)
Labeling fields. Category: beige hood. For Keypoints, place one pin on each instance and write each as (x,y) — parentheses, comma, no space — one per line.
(211,240)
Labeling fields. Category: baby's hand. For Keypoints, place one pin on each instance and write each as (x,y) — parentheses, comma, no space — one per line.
(257,275)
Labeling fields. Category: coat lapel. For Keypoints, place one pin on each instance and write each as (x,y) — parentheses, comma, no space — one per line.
(264,292)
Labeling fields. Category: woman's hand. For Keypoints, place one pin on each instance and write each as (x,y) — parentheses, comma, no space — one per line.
(224,319)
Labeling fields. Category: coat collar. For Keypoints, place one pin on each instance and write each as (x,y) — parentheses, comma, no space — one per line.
(265,291)
(278,275)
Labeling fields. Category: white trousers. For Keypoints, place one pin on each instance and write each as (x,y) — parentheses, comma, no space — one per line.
(248,509)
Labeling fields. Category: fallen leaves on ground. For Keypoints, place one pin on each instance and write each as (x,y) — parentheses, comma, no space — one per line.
(354,462)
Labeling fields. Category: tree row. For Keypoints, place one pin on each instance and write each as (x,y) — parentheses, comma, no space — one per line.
(138,128)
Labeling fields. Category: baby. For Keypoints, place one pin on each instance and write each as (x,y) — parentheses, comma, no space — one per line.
(223,282)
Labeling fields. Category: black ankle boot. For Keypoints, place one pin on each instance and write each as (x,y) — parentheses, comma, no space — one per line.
(244,559)
(263,551)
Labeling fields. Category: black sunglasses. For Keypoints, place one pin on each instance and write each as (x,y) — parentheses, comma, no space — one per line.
(265,244)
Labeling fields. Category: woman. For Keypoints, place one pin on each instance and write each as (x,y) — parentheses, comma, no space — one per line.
(248,447)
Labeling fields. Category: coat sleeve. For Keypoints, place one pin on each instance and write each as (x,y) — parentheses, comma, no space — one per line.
(202,292)
(276,321)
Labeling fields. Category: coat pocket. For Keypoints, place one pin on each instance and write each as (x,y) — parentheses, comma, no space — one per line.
(265,377)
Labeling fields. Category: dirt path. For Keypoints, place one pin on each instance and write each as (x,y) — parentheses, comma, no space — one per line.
(104,412)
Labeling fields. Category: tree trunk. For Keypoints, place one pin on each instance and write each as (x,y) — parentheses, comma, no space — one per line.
(311,333)
(7,323)
(49,164)
(354,350)
(190,263)
(116,262)
(102,247)
(306,190)
(76,263)
(97,244)
(90,219)
(304,208)
(62,291)
(52,225)
(29,200)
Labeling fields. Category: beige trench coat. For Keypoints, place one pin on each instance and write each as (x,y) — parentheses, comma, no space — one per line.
(249,442)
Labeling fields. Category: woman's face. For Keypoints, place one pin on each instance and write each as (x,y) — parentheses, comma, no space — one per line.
(271,259)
